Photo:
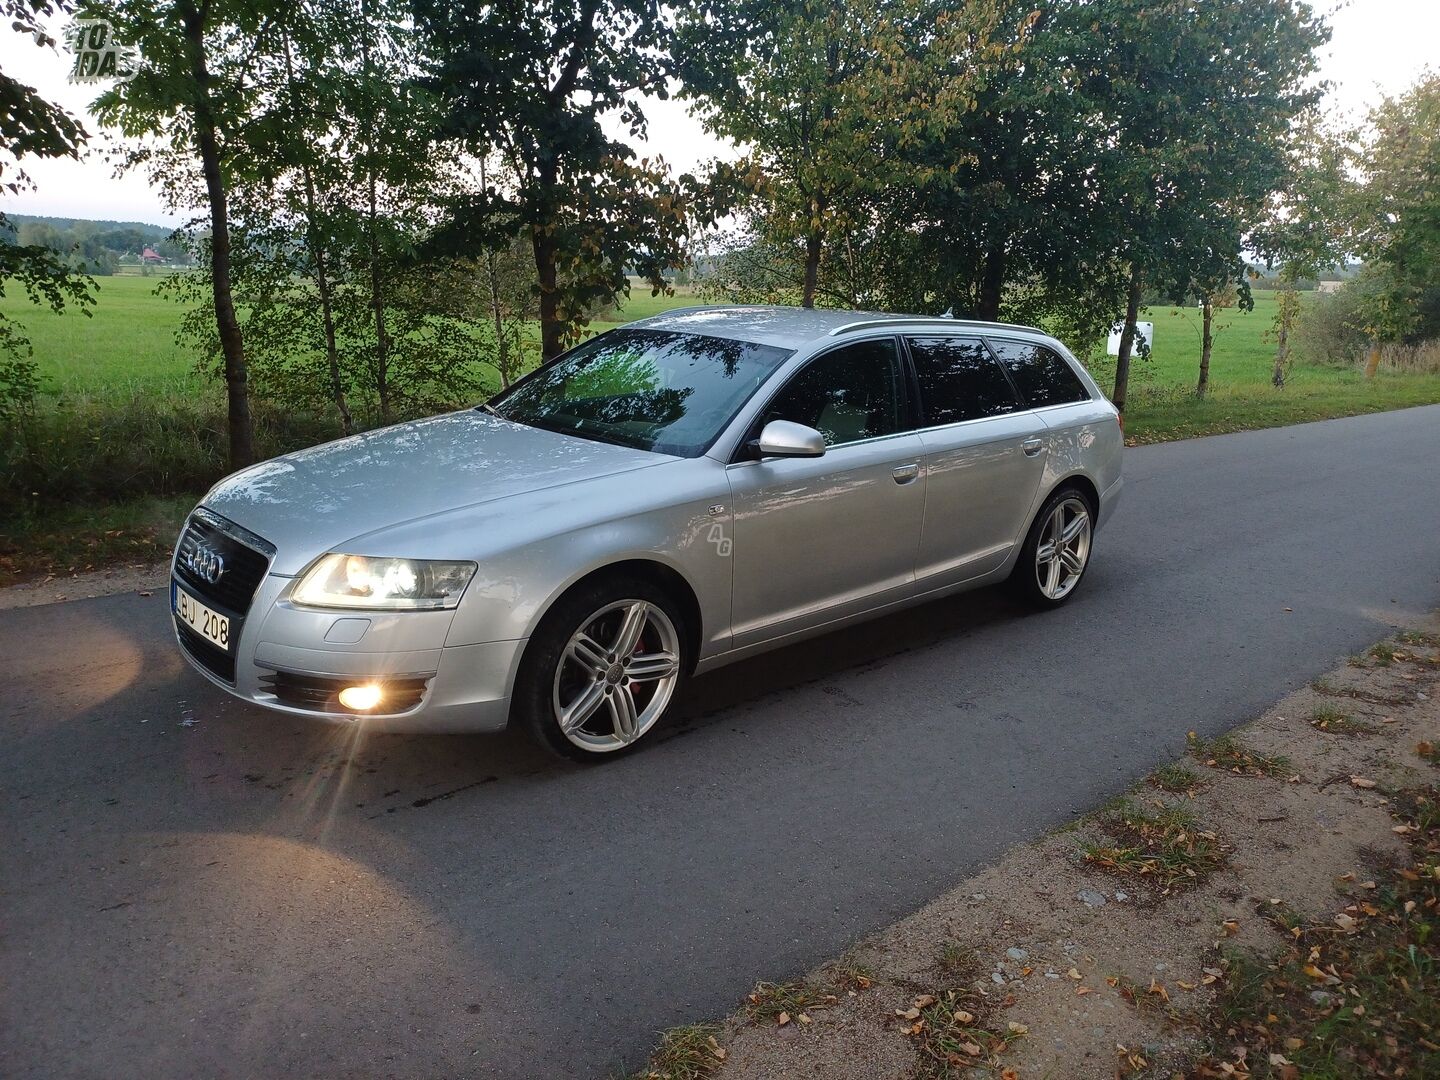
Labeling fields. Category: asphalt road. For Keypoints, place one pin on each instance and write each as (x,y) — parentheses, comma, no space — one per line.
(193,887)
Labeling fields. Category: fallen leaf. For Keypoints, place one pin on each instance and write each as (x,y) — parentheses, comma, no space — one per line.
(960,1016)
(716,1049)
(1158,989)
(1073,974)
(783,1019)
(908,1014)
(1345,922)
(971,1049)
(1293,1043)
(1081,991)
(1183,985)
(1362,782)
(1017,1028)
(1425,748)
(1230,927)
(924,1001)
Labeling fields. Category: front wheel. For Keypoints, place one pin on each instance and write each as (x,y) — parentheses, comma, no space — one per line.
(1056,551)
(602,669)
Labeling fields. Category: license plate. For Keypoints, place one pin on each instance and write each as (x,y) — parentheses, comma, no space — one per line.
(210,625)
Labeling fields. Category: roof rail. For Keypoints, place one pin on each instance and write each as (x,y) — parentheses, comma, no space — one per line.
(929,320)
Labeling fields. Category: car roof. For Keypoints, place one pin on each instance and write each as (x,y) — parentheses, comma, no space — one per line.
(794,328)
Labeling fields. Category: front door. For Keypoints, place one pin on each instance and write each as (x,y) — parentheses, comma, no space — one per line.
(817,539)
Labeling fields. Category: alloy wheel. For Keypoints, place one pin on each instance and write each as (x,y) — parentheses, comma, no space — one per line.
(616,675)
(1063,548)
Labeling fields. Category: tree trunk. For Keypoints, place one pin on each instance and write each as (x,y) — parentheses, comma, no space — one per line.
(502,349)
(316,245)
(1282,337)
(551,331)
(812,266)
(377,301)
(1372,362)
(1127,341)
(377,284)
(992,285)
(1207,342)
(232,345)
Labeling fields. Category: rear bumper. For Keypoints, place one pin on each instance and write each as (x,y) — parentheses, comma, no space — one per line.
(1109,500)
(466,688)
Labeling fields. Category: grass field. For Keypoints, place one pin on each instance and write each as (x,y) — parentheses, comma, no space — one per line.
(128,345)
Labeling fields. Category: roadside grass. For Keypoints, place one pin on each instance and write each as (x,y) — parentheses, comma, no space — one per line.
(684,1053)
(1229,753)
(1329,718)
(1176,778)
(1355,998)
(74,539)
(1164,844)
(951,1036)
(781,1003)
(1418,638)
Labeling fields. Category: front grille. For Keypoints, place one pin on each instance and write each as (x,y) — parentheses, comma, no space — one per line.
(246,560)
(220,664)
(318,693)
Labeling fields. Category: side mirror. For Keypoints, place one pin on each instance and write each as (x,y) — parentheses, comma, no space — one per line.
(782,438)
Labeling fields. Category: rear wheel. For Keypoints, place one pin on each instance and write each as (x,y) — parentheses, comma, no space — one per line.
(1056,551)
(602,669)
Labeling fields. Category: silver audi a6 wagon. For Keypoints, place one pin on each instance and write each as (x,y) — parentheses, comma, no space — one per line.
(664,499)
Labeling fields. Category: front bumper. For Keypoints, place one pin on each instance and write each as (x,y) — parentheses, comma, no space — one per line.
(466,687)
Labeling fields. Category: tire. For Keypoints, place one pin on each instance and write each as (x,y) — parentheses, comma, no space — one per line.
(576,693)
(1045,582)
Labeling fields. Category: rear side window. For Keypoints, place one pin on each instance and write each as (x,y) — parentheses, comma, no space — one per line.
(959,380)
(1042,375)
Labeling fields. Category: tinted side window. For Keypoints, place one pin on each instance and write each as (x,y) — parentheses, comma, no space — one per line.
(959,380)
(1044,378)
(849,394)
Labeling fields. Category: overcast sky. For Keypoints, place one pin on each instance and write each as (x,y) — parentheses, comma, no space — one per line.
(1379,47)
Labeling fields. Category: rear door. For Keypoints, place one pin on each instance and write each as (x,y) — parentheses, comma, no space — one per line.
(985,453)
(817,539)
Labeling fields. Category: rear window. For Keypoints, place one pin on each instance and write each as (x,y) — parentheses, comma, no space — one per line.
(959,380)
(1043,376)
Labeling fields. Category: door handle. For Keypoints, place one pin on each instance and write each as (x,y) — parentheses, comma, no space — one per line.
(904,474)
(1032,446)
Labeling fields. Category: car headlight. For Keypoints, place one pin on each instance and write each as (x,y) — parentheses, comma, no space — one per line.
(360,581)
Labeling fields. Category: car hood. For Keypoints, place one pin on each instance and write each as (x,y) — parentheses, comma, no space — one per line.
(315,500)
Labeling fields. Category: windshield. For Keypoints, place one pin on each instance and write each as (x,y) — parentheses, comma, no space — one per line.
(651,389)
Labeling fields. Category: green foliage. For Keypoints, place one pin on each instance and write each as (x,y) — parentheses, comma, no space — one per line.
(534,86)
(1398,219)
(30,126)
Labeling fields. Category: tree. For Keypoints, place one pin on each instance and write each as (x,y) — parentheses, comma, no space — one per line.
(1398,219)
(533,83)
(1304,229)
(836,99)
(30,126)
(1196,103)
(191,100)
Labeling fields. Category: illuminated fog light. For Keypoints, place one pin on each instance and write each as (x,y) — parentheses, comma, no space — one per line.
(361,698)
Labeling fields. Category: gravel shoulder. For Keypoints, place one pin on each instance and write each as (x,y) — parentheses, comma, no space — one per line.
(1075,957)
(140,578)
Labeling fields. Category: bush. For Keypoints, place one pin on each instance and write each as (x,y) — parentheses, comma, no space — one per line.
(1330,330)
(93,450)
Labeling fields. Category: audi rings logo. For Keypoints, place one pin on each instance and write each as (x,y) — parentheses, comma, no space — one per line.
(205,563)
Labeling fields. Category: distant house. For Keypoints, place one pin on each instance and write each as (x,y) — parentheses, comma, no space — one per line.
(150,256)
(1329,286)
